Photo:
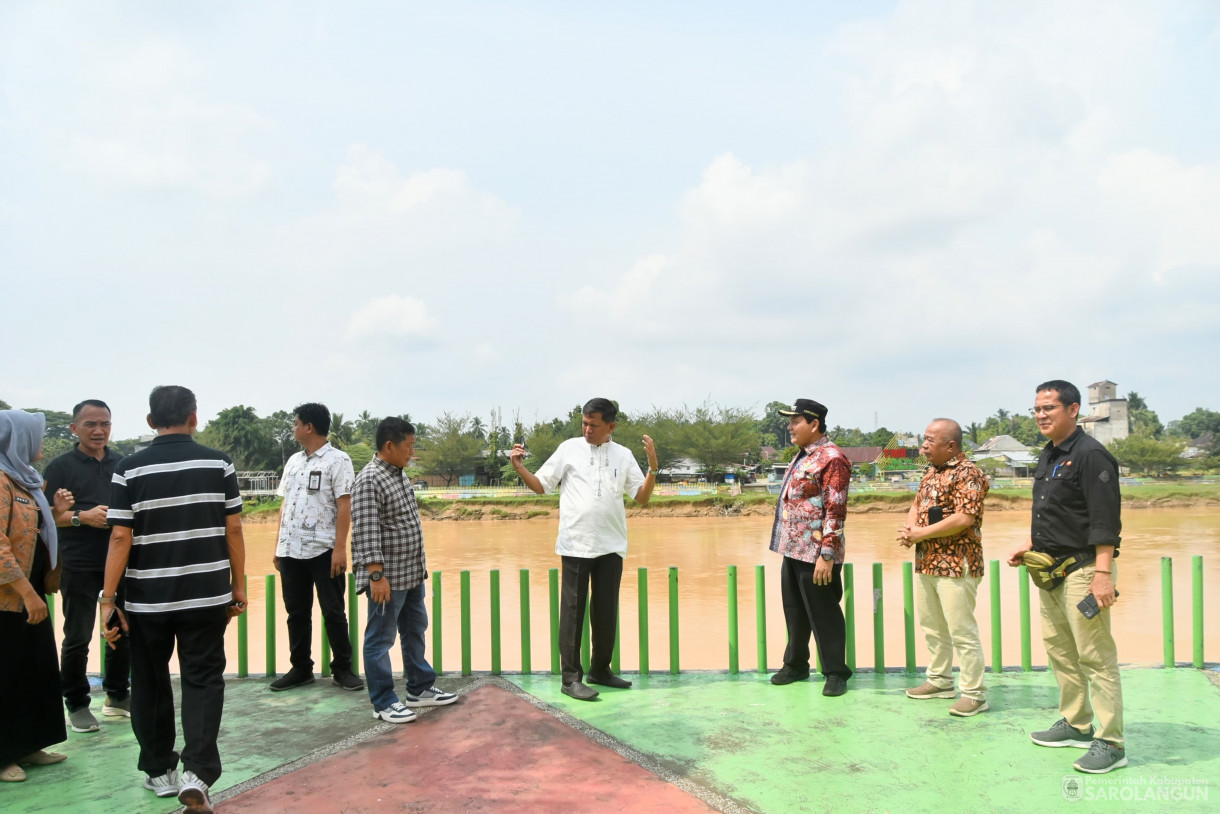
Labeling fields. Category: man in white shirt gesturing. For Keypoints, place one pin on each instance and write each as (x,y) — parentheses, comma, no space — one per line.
(591,473)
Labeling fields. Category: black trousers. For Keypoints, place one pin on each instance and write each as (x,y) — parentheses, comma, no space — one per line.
(30,715)
(604,573)
(79,590)
(200,639)
(300,579)
(809,607)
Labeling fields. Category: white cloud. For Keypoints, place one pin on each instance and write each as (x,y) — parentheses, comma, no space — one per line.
(972,193)
(392,316)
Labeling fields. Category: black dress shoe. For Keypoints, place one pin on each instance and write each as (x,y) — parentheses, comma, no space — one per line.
(579,691)
(289,680)
(609,680)
(787,675)
(348,681)
(835,685)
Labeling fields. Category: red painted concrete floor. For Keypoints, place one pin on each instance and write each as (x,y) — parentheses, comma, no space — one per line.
(491,751)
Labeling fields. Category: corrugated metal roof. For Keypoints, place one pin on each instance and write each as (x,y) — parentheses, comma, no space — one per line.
(861,455)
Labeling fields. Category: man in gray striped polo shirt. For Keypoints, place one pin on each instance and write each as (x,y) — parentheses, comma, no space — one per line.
(175,510)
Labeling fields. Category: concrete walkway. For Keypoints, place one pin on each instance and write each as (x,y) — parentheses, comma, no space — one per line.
(695,742)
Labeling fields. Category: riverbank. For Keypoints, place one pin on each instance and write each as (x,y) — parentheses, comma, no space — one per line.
(1143,496)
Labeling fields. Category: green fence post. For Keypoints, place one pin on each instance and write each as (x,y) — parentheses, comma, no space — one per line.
(643,620)
(1027,657)
(732,576)
(849,612)
(585,635)
(554,594)
(760,615)
(673,620)
(495,621)
(1196,579)
(51,609)
(438,628)
(908,612)
(618,634)
(325,651)
(243,636)
(353,624)
(464,589)
(878,620)
(526,665)
(270,615)
(1167,608)
(997,640)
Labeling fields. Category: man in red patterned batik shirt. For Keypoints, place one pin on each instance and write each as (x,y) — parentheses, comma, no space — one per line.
(944,525)
(808,532)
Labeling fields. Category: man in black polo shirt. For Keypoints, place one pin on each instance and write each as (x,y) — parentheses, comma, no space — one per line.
(84,537)
(1076,514)
(177,539)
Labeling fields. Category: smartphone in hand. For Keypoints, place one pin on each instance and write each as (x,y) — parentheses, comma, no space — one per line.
(1088,606)
(112,621)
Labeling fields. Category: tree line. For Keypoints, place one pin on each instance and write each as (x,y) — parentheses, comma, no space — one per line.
(714,436)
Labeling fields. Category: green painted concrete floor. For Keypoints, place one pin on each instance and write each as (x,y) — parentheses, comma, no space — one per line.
(788,749)
(738,743)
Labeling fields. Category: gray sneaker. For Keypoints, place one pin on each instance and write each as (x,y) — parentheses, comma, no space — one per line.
(163,785)
(431,697)
(117,709)
(1063,734)
(82,720)
(193,793)
(1101,758)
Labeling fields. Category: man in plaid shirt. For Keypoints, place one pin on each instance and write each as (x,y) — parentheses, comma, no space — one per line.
(388,558)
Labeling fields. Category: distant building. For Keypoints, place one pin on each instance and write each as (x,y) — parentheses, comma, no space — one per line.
(863,459)
(1107,419)
(1013,459)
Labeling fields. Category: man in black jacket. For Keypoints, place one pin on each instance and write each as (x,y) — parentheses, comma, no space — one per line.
(1076,515)
(84,538)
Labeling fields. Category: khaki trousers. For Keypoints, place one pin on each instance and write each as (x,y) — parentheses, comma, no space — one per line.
(946,614)
(1084,657)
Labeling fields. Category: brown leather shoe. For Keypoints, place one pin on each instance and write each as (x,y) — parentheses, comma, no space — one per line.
(968,707)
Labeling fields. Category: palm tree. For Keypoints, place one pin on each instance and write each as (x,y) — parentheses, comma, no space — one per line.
(342,433)
(366,427)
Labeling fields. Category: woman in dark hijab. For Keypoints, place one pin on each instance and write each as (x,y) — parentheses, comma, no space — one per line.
(30,714)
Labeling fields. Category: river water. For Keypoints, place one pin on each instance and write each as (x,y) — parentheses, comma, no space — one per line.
(702,548)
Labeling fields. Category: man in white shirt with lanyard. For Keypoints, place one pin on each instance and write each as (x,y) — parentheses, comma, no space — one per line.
(592,473)
(311,552)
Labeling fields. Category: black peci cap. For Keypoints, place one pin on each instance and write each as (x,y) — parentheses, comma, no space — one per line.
(809,409)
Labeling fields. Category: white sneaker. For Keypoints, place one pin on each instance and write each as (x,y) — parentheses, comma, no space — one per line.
(431,697)
(193,793)
(165,785)
(395,713)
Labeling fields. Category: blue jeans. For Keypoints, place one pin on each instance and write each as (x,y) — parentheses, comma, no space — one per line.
(406,616)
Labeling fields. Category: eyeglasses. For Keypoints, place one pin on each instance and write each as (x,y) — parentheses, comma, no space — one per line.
(1046,410)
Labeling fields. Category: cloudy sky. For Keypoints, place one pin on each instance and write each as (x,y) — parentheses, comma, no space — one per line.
(901,209)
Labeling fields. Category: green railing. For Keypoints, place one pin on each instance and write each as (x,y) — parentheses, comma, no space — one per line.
(731,609)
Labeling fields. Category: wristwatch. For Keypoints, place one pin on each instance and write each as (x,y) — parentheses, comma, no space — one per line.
(374,576)
(827,555)
(76,517)
(102,599)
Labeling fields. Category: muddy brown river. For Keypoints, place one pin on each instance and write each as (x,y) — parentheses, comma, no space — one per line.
(701,548)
